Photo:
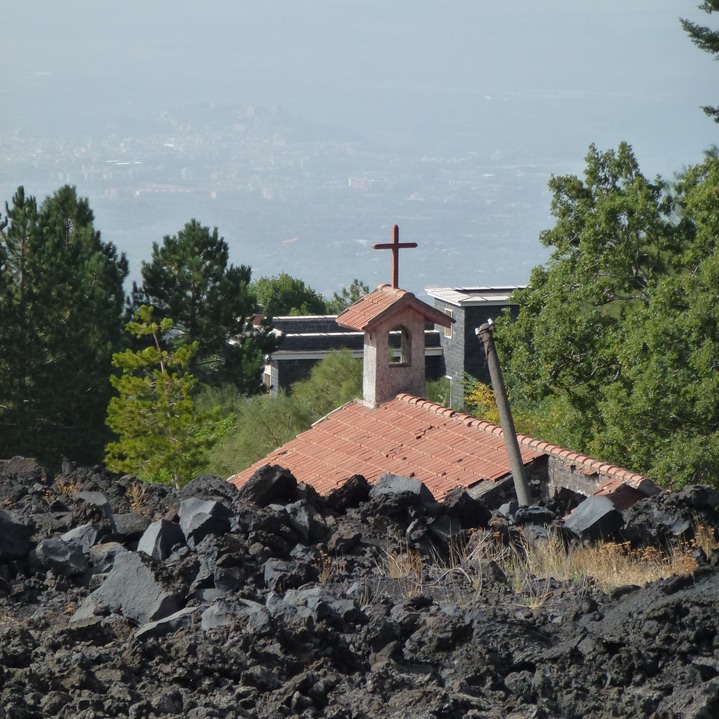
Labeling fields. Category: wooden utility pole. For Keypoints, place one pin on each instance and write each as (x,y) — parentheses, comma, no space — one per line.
(519,474)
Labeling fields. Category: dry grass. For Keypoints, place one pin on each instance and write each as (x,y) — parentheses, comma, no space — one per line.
(329,566)
(614,565)
(405,564)
(136,494)
(532,568)
(705,538)
(68,487)
(406,567)
(608,564)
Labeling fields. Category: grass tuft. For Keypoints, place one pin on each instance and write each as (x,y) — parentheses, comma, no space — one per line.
(533,569)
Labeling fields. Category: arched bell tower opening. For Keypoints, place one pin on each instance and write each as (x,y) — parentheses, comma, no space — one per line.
(394,357)
(400,347)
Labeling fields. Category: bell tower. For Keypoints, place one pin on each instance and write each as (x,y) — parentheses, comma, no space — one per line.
(393,322)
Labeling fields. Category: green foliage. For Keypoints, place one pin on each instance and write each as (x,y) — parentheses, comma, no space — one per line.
(662,412)
(438,391)
(335,380)
(61,298)
(346,297)
(611,240)
(263,423)
(160,436)
(706,39)
(479,400)
(617,339)
(260,424)
(286,295)
(189,279)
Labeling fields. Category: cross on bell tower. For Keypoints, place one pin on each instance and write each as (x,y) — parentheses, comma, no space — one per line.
(395,246)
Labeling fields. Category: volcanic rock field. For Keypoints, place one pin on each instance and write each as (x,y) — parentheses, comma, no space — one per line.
(119,600)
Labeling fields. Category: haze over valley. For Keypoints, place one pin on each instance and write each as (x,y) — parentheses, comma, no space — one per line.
(304,130)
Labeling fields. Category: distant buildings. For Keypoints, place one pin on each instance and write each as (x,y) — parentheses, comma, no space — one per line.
(448,351)
(462,351)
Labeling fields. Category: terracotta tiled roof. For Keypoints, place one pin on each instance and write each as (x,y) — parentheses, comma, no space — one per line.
(384,301)
(414,437)
(408,436)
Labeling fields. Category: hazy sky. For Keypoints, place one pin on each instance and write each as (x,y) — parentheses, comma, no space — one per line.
(567,71)
(536,80)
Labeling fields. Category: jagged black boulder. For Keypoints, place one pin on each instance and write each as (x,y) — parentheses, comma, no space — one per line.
(285,604)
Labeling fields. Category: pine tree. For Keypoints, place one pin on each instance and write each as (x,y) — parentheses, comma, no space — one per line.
(707,39)
(347,296)
(160,436)
(189,279)
(61,299)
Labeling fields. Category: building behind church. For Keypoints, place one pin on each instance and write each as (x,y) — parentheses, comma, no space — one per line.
(449,352)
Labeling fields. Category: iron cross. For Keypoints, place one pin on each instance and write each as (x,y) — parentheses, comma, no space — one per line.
(395,246)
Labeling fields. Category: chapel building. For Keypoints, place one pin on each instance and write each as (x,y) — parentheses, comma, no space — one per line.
(393,429)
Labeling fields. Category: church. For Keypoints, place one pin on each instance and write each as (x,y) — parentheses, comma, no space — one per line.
(393,429)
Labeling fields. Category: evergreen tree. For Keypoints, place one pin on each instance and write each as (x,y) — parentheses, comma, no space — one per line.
(347,296)
(190,280)
(707,39)
(160,437)
(61,298)
(17,336)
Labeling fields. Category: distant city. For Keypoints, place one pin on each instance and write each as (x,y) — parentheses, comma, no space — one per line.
(286,200)
(304,129)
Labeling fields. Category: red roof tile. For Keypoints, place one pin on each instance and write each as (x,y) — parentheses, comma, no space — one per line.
(413,437)
(399,436)
(385,301)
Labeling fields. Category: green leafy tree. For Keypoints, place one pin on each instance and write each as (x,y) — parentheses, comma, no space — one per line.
(616,346)
(438,391)
(286,295)
(335,380)
(61,298)
(190,280)
(707,39)
(661,414)
(160,436)
(480,401)
(612,239)
(346,297)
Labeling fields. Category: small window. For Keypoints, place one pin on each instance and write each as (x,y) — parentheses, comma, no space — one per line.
(448,330)
(400,347)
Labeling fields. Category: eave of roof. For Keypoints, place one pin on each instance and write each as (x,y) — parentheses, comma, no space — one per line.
(474,296)
(412,436)
(384,302)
